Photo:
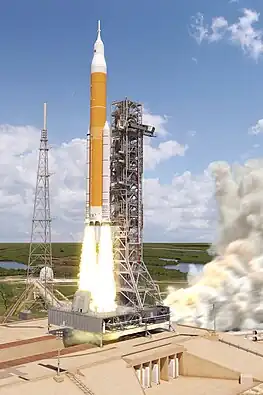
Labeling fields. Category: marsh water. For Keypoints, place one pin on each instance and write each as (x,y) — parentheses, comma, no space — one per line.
(12,265)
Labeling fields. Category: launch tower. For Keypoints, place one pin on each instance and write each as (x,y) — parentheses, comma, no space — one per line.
(136,287)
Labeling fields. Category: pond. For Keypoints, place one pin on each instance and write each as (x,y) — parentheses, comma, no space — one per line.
(12,265)
(193,268)
(184,267)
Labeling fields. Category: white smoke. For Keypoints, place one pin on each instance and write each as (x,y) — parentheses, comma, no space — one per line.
(194,273)
(229,291)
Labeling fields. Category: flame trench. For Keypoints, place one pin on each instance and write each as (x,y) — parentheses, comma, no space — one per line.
(97,268)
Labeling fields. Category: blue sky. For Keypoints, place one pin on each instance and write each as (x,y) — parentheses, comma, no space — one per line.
(212,88)
(46,51)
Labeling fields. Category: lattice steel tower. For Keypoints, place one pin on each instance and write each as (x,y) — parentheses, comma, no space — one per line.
(136,287)
(40,252)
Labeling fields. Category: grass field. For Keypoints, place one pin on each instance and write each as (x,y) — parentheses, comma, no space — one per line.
(69,253)
(66,257)
(8,295)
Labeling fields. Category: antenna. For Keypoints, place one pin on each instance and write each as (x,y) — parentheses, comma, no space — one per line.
(45,117)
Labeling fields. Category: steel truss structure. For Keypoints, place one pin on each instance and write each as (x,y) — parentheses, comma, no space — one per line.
(39,291)
(136,287)
(40,251)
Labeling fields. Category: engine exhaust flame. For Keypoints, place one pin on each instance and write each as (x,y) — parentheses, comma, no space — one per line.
(229,292)
(88,261)
(104,294)
(97,268)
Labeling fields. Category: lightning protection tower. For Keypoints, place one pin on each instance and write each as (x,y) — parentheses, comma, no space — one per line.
(136,287)
(40,251)
(39,285)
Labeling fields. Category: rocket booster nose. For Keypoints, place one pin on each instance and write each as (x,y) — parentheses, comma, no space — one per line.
(106,129)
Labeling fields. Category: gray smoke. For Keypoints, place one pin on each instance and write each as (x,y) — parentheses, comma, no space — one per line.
(229,291)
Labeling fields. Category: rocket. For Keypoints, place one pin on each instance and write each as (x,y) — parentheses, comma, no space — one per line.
(97,270)
(98,144)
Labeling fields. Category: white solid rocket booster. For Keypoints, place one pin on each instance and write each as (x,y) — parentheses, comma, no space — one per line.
(106,174)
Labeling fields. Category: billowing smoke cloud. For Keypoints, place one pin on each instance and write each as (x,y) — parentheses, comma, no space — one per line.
(228,293)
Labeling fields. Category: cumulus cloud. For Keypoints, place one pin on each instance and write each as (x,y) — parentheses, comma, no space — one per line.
(256,129)
(158,121)
(242,33)
(164,151)
(156,152)
(174,208)
(183,209)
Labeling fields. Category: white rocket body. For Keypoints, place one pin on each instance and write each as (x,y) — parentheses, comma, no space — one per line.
(106,174)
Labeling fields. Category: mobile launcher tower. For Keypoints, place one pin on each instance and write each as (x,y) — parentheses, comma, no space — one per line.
(140,307)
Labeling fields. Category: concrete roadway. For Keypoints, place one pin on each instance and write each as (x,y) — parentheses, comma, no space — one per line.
(177,249)
(20,279)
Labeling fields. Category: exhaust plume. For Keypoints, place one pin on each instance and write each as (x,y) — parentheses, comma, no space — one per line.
(96,274)
(228,294)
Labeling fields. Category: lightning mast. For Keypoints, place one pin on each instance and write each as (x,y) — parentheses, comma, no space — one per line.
(40,251)
(136,287)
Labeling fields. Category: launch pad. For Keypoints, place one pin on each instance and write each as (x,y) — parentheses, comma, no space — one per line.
(123,321)
(115,275)
(140,308)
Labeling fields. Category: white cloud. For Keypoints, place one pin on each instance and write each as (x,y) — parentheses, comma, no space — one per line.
(164,151)
(218,29)
(181,203)
(198,29)
(181,210)
(256,129)
(242,33)
(158,121)
(155,153)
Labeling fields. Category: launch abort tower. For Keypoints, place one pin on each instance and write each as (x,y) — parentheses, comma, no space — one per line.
(136,287)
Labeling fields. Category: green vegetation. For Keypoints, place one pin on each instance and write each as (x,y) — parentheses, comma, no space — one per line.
(66,257)
(188,246)
(8,294)
(17,252)
(67,290)
(11,272)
